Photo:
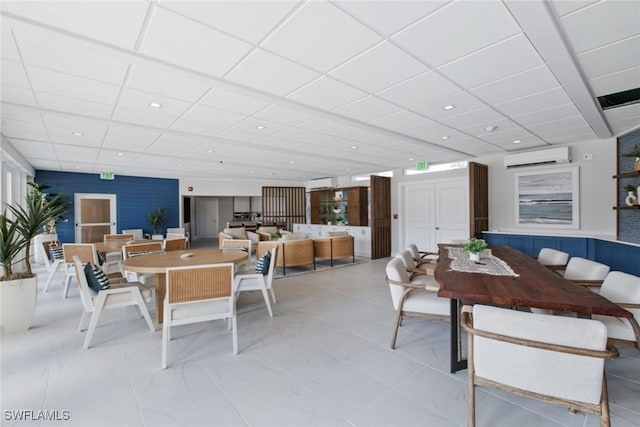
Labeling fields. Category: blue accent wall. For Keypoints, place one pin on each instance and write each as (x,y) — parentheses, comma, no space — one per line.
(618,256)
(628,220)
(135,196)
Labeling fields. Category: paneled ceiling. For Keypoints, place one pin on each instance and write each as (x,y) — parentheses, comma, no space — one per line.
(296,90)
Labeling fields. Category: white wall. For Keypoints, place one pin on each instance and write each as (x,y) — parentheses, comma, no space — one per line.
(203,187)
(597,191)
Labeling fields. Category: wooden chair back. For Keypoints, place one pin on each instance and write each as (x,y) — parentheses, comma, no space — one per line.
(141,247)
(86,252)
(111,237)
(175,244)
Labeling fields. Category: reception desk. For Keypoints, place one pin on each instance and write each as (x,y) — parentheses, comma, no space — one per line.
(620,256)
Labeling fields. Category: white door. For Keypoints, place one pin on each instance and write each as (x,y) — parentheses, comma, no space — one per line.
(418,215)
(95,216)
(452,211)
(206,217)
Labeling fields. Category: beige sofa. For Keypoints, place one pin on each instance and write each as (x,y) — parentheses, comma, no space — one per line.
(291,253)
(336,247)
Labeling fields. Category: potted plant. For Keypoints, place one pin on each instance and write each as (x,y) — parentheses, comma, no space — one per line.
(19,289)
(635,153)
(474,247)
(155,218)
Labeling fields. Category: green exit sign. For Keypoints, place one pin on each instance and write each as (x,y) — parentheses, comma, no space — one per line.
(421,165)
(107,175)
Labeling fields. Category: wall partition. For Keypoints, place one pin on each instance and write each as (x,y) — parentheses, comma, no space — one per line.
(284,206)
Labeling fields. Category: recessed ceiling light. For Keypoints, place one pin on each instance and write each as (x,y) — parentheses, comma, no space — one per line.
(444,137)
(209,151)
(261,127)
(410,159)
(78,167)
(120,154)
(449,107)
(77,134)
(291,162)
(517,141)
(354,146)
(155,105)
(491,128)
(348,169)
(271,173)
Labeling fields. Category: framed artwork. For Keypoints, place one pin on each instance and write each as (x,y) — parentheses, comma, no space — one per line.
(548,198)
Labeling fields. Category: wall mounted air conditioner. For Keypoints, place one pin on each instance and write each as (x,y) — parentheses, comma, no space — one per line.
(316,184)
(539,157)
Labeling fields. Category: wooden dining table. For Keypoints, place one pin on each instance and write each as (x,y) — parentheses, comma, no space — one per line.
(115,245)
(531,285)
(160,262)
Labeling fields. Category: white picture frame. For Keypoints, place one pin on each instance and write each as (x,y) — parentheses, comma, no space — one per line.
(548,198)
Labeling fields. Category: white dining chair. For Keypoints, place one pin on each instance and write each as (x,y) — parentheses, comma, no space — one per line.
(624,290)
(259,281)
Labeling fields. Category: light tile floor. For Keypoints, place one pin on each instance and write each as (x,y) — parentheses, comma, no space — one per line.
(322,360)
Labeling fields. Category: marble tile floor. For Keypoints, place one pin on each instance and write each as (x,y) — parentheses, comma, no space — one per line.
(322,360)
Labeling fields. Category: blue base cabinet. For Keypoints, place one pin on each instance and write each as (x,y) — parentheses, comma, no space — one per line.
(619,256)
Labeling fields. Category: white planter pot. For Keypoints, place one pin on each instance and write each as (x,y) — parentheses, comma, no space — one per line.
(17,304)
(474,257)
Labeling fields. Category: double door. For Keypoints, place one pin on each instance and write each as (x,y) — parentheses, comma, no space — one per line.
(435,212)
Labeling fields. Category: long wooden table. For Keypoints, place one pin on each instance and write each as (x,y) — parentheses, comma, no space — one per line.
(535,286)
(159,263)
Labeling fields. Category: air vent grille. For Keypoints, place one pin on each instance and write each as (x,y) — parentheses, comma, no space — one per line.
(620,99)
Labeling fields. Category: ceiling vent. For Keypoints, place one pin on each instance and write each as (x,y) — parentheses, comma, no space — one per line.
(316,184)
(620,99)
(540,157)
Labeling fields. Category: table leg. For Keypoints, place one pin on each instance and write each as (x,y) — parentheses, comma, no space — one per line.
(456,362)
(161,290)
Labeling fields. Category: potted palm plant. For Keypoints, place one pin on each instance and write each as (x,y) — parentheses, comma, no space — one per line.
(155,218)
(18,290)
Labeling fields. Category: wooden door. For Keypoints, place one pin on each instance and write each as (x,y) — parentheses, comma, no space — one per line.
(380,217)
(95,216)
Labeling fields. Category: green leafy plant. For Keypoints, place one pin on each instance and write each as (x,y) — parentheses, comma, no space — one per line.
(11,243)
(156,217)
(635,153)
(474,245)
(629,187)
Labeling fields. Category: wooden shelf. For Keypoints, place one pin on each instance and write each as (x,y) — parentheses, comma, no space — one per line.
(624,208)
(626,175)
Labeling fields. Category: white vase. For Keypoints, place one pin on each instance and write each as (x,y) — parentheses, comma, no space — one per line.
(18,304)
(631,199)
(474,256)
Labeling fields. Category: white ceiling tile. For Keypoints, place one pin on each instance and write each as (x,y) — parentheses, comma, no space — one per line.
(251,124)
(419,90)
(305,38)
(550,114)
(233,102)
(163,82)
(368,108)
(199,128)
(280,114)
(612,58)
(462,101)
(622,18)
(54,52)
(616,82)
(209,51)
(62,84)
(17,95)
(7,43)
(401,120)
(564,7)
(248,20)
(621,127)
(517,85)
(76,153)
(481,24)
(172,143)
(138,100)
(24,130)
(265,71)
(296,134)
(479,118)
(569,135)
(25,114)
(129,137)
(500,60)
(326,93)
(118,23)
(537,102)
(108,159)
(71,121)
(389,16)
(142,118)
(236,135)
(355,134)
(429,131)
(391,66)
(35,149)
(13,74)
(65,135)
(73,106)
(212,116)
(505,138)
(552,127)
(625,112)
(322,125)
